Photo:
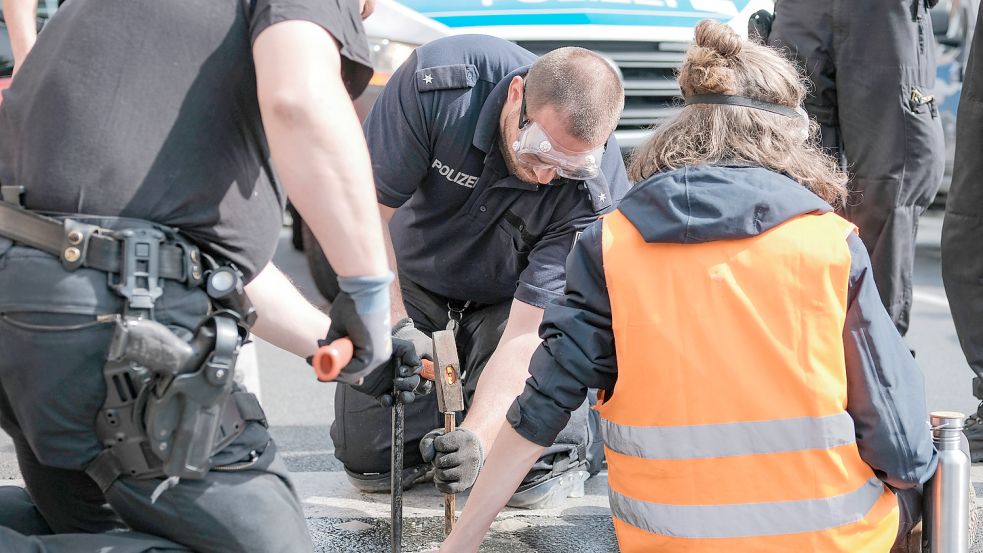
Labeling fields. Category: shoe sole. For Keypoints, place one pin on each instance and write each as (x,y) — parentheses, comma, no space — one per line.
(552,492)
(382,483)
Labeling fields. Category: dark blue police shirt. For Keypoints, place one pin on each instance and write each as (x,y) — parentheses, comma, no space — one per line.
(465,228)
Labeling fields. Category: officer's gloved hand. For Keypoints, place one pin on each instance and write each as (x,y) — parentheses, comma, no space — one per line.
(405,330)
(361,312)
(456,458)
(400,375)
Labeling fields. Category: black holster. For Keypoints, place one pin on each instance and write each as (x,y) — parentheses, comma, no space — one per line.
(171,404)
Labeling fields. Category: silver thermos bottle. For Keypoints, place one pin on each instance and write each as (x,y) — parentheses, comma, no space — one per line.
(946,514)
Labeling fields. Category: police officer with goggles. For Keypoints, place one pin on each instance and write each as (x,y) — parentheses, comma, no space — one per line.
(140,213)
(488,163)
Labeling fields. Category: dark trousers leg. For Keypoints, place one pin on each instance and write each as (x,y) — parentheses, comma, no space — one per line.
(51,387)
(962,229)
(361,431)
(361,428)
(117,542)
(18,512)
(251,511)
(895,149)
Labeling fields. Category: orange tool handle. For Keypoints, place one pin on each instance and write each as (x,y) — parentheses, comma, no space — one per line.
(330,359)
(428,370)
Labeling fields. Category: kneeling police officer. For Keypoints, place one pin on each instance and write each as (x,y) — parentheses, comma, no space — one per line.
(488,163)
(119,328)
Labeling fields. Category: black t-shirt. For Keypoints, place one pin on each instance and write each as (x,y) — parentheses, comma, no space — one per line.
(148,109)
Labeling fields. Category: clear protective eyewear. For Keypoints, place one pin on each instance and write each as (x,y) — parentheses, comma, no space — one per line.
(535,149)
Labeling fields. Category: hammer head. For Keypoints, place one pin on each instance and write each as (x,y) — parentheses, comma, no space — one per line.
(447,373)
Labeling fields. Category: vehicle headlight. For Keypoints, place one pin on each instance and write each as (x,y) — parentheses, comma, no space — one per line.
(387,56)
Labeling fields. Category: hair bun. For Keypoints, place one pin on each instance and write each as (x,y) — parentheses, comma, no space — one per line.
(708,67)
(718,37)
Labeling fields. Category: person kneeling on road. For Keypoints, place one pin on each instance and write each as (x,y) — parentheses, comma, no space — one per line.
(139,216)
(746,365)
(495,161)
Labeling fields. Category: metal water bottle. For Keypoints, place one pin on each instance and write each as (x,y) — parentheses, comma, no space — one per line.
(946,514)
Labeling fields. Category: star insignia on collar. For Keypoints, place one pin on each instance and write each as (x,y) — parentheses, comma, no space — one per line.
(428,78)
(601,197)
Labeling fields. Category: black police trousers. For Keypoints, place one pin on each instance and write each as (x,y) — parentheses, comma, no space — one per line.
(962,229)
(52,353)
(869,63)
(361,429)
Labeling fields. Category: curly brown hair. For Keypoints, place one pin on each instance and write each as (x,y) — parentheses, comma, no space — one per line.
(721,62)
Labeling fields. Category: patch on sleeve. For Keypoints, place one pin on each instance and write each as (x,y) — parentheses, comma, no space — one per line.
(446,77)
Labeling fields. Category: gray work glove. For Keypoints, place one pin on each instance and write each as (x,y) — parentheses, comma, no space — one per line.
(406,330)
(361,312)
(456,458)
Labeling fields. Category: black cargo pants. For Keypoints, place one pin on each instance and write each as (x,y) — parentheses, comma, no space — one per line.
(869,63)
(361,430)
(52,352)
(962,229)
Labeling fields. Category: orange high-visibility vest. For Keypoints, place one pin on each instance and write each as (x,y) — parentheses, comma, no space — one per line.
(728,430)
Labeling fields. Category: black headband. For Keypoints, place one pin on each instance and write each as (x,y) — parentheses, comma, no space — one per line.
(743,101)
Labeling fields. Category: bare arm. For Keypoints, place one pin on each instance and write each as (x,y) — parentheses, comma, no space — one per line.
(285,318)
(508,462)
(21,18)
(317,144)
(504,377)
(395,292)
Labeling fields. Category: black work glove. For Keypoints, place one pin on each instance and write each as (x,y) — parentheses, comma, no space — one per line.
(401,375)
(361,312)
(405,330)
(456,458)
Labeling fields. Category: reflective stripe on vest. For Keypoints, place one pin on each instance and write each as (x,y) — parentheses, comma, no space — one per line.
(747,519)
(727,429)
(728,439)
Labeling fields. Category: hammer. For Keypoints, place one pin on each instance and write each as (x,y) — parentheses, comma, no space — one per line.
(450,399)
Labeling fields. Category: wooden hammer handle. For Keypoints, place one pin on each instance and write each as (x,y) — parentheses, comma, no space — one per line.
(450,512)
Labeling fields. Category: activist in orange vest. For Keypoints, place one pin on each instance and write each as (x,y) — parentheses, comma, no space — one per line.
(754,393)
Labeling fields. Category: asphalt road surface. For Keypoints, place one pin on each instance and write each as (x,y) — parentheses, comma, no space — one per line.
(300,411)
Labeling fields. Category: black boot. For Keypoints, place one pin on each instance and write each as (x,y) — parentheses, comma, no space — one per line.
(974,434)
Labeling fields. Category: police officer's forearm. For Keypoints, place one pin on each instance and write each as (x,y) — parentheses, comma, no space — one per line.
(284,317)
(317,144)
(504,377)
(21,19)
(507,463)
(395,291)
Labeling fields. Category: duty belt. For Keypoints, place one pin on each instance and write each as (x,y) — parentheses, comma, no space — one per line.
(79,244)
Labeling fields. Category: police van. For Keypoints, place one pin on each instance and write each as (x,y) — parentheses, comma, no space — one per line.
(645,39)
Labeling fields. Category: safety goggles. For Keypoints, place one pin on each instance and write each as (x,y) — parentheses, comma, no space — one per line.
(535,149)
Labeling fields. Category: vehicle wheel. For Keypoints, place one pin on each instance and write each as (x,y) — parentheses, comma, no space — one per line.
(324,276)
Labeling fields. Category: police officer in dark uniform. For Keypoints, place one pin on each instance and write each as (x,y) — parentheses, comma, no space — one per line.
(488,163)
(962,233)
(140,213)
(872,67)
